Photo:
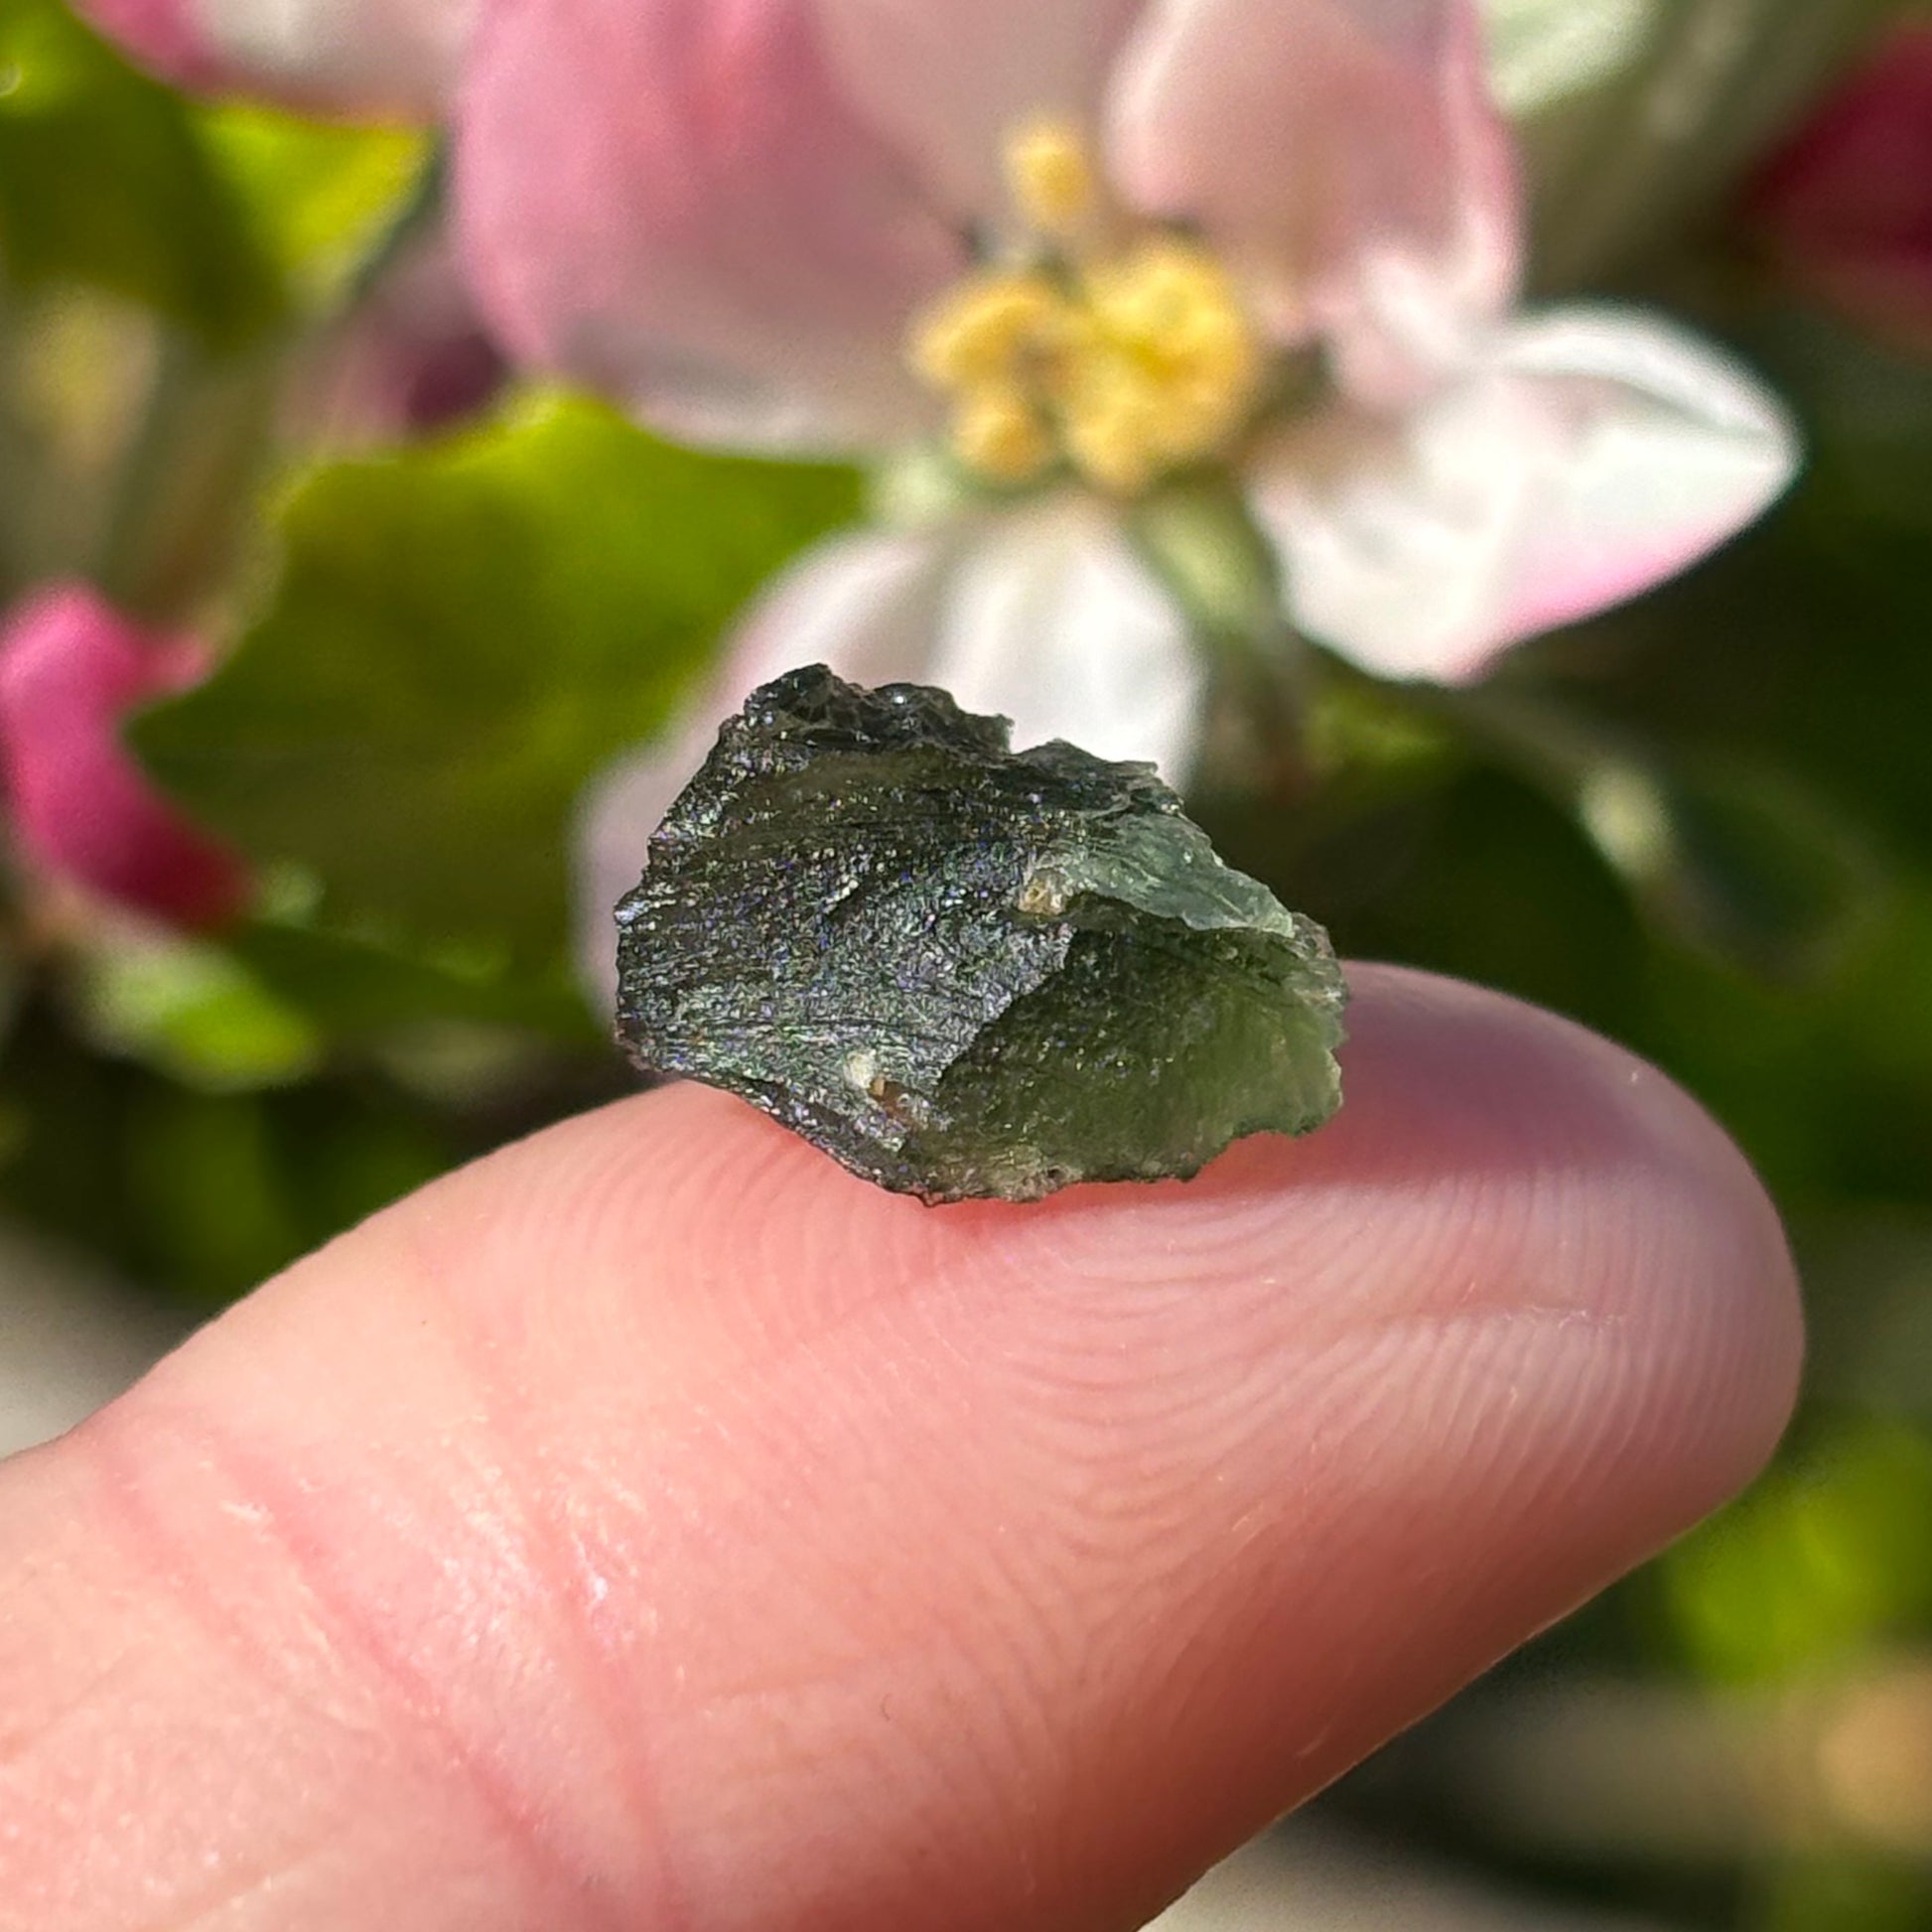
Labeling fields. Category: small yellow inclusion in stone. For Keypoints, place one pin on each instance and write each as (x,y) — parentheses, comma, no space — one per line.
(1125,359)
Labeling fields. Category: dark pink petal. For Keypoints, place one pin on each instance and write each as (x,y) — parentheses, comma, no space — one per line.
(1344,154)
(71,671)
(1848,206)
(673,201)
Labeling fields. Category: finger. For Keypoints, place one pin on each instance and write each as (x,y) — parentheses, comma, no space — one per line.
(651,1525)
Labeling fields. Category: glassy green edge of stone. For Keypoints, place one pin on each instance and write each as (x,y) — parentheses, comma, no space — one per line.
(964,971)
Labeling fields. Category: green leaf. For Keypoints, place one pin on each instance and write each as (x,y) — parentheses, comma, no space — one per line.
(105,181)
(193,1012)
(459,639)
(322,197)
(221,1191)
(363,993)
(1828,1555)
(1544,51)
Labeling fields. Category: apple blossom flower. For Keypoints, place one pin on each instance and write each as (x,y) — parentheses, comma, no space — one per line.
(366,57)
(83,813)
(1089,248)
(1847,204)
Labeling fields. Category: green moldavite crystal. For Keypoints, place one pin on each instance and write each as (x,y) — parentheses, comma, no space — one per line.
(963,970)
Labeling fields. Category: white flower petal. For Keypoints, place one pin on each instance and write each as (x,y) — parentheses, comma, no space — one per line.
(1346,155)
(1051,620)
(1590,455)
(946,80)
(396,53)
(359,57)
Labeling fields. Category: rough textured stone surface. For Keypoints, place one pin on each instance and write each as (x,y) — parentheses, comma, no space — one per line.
(961,970)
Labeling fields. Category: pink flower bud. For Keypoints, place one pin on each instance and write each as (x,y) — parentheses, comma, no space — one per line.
(413,357)
(82,811)
(1848,203)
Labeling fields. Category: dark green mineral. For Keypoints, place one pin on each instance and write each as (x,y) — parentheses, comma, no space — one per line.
(963,970)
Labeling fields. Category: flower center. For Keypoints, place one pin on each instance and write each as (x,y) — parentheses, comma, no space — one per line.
(1122,353)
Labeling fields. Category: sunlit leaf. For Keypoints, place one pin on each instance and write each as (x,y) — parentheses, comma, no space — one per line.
(320,196)
(1826,1556)
(458,640)
(195,1012)
(364,992)
(1542,52)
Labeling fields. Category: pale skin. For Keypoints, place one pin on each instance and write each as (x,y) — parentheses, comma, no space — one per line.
(652,1526)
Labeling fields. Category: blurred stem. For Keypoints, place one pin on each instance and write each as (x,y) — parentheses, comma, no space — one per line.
(1718,80)
(1597,775)
(1545,742)
(1199,539)
(186,487)
(15,458)
(415,216)
(186,491)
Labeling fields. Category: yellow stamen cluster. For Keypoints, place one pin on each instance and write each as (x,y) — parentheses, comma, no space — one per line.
(1125,359)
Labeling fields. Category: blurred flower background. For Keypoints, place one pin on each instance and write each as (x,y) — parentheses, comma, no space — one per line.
(1484,455)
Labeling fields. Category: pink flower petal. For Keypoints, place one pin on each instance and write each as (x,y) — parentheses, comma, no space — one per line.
(1591,454)
(165,36)
(1346,155)
(356,57)
(71,670)
(1848,206)
(948,79)
(1043,614)
(672,200)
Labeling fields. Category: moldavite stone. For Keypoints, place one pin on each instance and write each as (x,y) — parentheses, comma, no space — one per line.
(963,970)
